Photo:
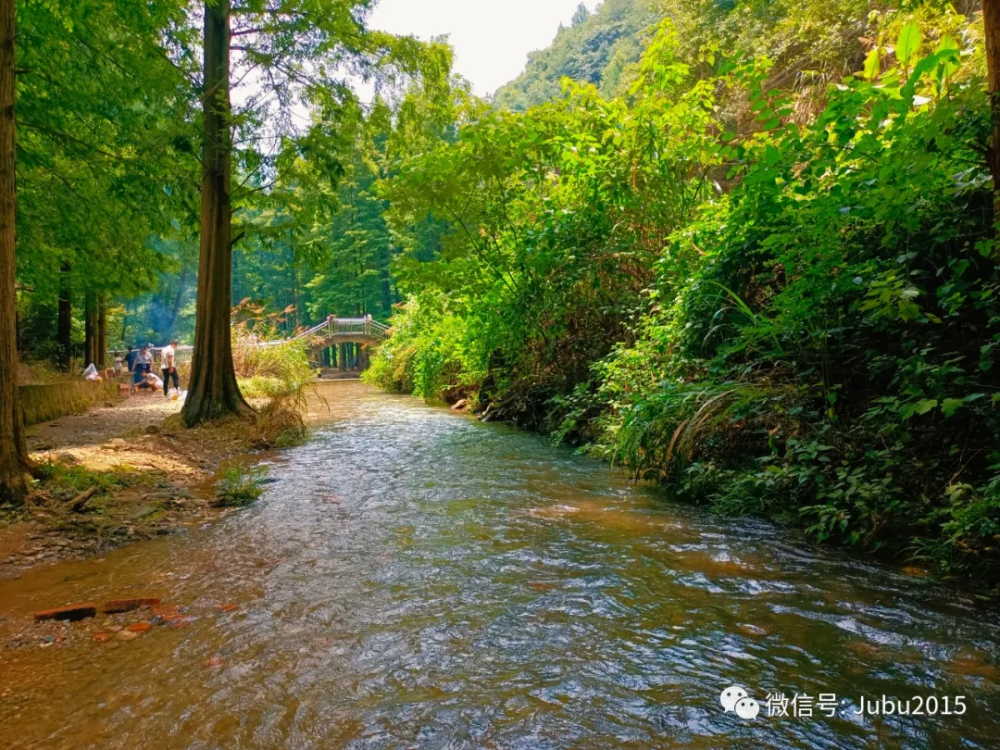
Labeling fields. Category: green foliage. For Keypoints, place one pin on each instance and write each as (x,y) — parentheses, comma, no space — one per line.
(780,300)
(240,486)
(429,353)
(100,113)
(596,49)
(109,160)
(812,41)
(848,290)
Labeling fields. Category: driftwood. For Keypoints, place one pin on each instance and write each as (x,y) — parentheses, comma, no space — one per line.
(80,501)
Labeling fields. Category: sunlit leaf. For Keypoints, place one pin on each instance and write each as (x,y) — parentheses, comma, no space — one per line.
(908,42)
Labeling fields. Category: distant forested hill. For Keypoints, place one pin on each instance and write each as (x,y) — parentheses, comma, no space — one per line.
(597,48)
(809,42)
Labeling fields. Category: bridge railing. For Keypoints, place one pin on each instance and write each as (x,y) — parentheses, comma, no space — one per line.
(333,327)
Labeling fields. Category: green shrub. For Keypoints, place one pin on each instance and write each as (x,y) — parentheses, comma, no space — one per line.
(240,486)
(829,359)
(427,354)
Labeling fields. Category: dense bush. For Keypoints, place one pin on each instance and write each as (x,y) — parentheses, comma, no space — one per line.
(427,353)
(779,299)
(832,357)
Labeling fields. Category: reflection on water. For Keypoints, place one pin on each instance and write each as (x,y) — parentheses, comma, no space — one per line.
(416,579)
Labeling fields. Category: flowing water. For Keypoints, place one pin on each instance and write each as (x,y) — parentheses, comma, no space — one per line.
(415,579)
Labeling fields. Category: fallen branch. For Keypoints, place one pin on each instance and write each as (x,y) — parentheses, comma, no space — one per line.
(81,500)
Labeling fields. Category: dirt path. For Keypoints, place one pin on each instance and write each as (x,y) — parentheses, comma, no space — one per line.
(130,434)
(145,473)
(133,414)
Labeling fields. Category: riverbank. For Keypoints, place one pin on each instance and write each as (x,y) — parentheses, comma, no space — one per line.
(901,553)
(119,474)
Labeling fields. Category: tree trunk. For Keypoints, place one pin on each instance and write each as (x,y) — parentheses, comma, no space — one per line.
(102,332)
(13,448)
(213,391)
(991,19)
(64,324)
(124,323)
(176,310)
(386,263)
(89,329)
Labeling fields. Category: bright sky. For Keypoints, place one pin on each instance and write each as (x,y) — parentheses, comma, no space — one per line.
(492,38)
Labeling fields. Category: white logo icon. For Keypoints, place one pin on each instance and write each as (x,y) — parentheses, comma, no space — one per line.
(747,708)
(737,699)
(731,696)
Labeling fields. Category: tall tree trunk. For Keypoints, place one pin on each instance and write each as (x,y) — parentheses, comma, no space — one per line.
(13,448)
(89,328)
(213,391)
(295,318)
(124,323)
(386,278)
(64,323)
(176,310)
(102,332)
(991,19)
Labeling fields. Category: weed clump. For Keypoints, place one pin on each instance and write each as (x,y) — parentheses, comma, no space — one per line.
(239,486)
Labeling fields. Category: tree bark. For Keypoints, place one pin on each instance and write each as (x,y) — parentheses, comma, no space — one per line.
(213,391)
(176,310)
(386,263)
(13,447)
(991,20)
(90,317)
(64,324)
(102,332)
(124,323)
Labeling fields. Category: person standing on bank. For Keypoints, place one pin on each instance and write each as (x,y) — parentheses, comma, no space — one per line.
(130,358)
(168,361)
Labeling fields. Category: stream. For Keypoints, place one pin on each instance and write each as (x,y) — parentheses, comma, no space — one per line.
(416,579)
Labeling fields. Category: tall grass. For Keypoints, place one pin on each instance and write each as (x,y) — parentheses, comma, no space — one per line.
(275,377)
(269,372)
